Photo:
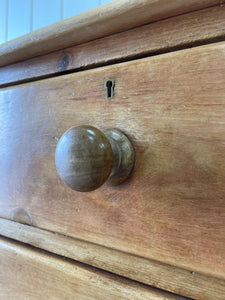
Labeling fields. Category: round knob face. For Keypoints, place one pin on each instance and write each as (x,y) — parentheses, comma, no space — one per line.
(84,158)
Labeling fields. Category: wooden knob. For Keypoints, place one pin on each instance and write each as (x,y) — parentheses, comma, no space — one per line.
(86,157)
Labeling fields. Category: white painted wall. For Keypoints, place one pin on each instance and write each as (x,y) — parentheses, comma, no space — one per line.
(18,17)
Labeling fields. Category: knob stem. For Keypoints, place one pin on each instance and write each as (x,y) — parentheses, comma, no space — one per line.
(123,156)
(116,156)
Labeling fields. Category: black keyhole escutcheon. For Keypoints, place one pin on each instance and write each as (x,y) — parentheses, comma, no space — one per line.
(109,86)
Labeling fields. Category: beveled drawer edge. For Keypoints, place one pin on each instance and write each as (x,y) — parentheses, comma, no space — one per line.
(166,277)
(101,21)
(175,33)
(79,280)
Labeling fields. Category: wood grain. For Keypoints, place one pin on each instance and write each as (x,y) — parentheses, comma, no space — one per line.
(84,158)
(173,279)
(117,16)
(26,273)
(172,107)
(187,30)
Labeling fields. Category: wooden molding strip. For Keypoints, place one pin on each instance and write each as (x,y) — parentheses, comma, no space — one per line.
(166,277)
(26,273)
(198,27)
(117,16)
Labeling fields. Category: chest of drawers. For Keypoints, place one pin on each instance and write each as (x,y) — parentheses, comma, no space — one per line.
(155,71)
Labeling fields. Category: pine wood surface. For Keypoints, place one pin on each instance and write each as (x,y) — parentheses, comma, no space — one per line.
(178,32)
(172,108)
(114,17)
(153,273)
(26,273)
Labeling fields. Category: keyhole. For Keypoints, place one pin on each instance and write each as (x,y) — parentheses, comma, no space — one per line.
(110,85)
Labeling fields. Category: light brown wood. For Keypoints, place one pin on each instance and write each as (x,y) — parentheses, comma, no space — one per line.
(105,20)
(187,30)
(26,273)
(173,279)
(172,107)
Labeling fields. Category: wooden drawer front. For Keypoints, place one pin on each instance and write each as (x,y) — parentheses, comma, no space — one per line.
(172,107)
(28,274)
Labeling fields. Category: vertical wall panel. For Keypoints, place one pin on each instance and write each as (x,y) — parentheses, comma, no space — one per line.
(71,7)
(18,18)
(3,20)
(46,12)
